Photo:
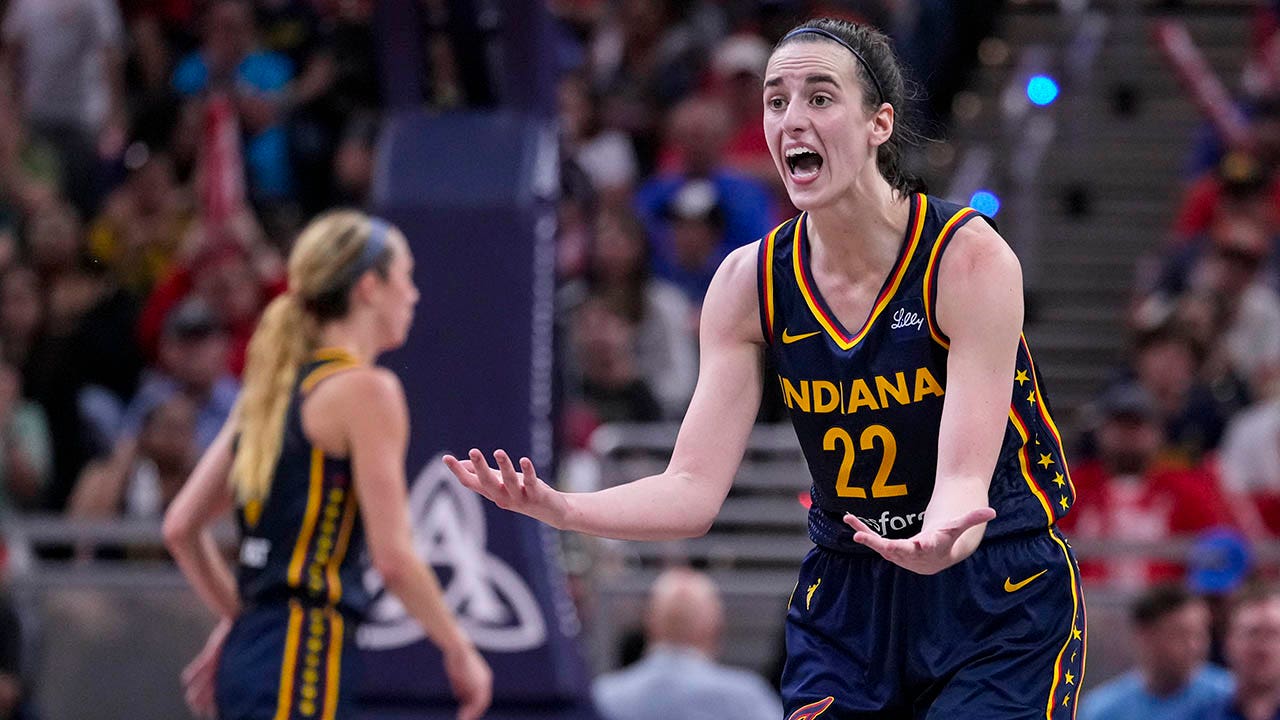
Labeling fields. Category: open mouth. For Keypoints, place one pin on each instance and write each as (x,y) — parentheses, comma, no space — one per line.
(803,162)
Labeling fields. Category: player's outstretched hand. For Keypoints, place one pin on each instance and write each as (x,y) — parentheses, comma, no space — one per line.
(928,551)
(522,491)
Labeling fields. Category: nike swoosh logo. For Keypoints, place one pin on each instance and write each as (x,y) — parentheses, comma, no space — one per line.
(787,338)
(1010,586)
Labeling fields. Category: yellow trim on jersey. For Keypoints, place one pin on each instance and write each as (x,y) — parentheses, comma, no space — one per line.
(1077,602)
(332,677)
(1044,412)
(768,279)
(324,371)
(340,550)
(329,354)
(881,302)
(929,269)
(1024,463)
(284,699)
(308,519)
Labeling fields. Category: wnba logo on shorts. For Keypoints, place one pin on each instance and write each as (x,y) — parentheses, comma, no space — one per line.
(812,710)
(887,523)
(493,602)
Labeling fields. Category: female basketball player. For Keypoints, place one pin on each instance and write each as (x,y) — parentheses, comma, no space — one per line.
(895,323)
(313,462)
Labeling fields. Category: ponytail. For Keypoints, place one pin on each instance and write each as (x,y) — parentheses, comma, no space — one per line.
(286,335)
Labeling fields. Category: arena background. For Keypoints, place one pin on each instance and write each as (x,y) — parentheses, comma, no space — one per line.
(1127,149)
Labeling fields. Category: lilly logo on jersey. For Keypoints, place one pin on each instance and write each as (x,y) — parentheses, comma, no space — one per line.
(847,398)
(908,319)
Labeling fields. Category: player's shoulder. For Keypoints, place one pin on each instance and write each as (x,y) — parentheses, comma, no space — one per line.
(364,385)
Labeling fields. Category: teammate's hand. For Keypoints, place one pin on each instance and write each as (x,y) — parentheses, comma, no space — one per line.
(522,492)
(199,676)
(471,680)
(928,551)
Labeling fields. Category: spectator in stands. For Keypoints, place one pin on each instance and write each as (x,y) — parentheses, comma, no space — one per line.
(696,135)
(1249,462)
(737,70)
(1172,680)
(192,362)
(26,454)
(230,61)
(678,676)
(662,320)
(1126,494)
(166,454)
(1167,364)
(142,223)
(606,155)
(612,389)
(65,62)
(1253,654)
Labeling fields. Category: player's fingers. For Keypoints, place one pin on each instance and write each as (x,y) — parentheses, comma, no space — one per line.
(484,474)
(973,518)
(530,474)
(509,476)
(466,477)
(857,524)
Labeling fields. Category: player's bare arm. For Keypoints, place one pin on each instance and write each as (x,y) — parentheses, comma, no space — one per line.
(683,500)
(980,311)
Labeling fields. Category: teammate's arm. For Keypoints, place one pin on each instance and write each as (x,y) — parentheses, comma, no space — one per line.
(980,309)
(683,500)
(372,406)
(205,497)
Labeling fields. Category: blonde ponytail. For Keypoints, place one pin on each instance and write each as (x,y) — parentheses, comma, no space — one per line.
(284,339)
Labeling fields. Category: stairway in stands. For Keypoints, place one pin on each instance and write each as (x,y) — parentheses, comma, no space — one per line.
(1111,177)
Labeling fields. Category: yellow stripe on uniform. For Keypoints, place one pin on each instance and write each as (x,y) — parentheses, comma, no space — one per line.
(1044,412)
(768,279)
(1077,602)
(932,267)
(309,519)
(333,677)
(340,550)
(284,700)
(328,369)
(1025,464)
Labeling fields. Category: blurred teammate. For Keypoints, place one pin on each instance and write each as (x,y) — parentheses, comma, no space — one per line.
(313,462)
(895,323)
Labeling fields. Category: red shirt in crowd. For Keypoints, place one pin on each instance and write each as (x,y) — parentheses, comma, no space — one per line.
(1162,504)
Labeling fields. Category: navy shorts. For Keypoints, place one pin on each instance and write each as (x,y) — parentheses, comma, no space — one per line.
(1000,636)
(288,662)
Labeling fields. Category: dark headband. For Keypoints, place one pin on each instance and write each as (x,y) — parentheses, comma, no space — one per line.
(832,36)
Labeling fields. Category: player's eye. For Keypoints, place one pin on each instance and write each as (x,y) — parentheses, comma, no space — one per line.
(821,100)
(775,103)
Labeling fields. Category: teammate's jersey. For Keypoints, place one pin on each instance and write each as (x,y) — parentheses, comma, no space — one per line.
(866,401)
(306,540)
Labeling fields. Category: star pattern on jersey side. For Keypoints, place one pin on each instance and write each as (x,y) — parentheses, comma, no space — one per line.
(1021,377)
(1059,480)
(1071,679)
(1075,633)
(1066,700)
(1031,397)
(1063,502)
(1045,460)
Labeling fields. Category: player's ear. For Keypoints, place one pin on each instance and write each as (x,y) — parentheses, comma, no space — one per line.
(882,122)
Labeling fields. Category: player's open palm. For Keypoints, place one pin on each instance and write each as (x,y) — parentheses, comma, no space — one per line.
(509,489)
(928,551)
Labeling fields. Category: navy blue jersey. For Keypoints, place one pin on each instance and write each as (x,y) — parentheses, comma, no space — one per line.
(305,542)
(866,401)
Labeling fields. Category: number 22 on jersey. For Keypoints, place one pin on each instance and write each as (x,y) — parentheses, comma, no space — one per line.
(880,487)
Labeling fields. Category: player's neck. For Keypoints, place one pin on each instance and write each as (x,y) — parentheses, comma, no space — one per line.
(861,233)
(356,338)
